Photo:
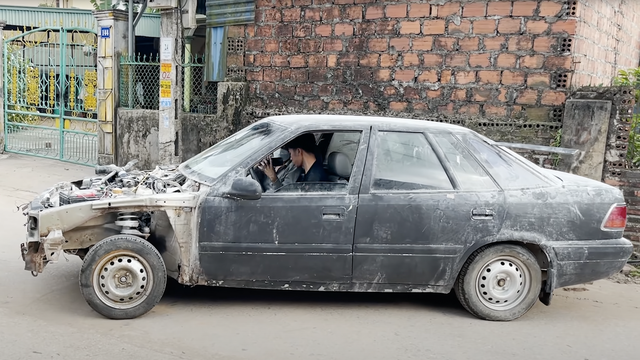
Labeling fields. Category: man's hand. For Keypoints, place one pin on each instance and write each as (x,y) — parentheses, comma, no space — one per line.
(267,167)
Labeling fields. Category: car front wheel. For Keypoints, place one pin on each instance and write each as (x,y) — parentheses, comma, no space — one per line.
(499,283)
(123,277)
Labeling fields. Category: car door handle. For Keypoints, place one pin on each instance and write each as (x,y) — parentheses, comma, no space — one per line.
(334,213)
(482,214)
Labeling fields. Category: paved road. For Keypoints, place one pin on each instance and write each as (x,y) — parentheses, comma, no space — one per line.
(47,318)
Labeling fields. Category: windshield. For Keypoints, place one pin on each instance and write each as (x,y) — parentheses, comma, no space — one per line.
(216,160)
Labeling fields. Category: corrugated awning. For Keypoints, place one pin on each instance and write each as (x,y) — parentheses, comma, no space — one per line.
(230,12)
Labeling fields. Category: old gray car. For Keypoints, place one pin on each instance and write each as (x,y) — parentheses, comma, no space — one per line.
(411,206)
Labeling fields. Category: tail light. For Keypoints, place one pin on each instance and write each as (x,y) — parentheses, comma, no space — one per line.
(616,219)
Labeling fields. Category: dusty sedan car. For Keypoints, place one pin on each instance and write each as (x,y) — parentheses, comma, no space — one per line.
(411,206)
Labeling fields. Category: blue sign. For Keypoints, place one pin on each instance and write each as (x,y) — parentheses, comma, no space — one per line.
(105,32)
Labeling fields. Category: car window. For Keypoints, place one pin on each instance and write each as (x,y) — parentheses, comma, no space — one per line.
(510,174)
(345,142)
(466,169)
(406,162)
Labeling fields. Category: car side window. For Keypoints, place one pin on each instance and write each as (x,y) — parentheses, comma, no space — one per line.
(466,169)
(406,162)
(508,172)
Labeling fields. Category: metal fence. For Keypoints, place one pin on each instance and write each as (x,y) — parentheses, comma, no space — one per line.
(140,82)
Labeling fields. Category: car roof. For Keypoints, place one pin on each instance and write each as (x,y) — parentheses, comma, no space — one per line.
(298,120)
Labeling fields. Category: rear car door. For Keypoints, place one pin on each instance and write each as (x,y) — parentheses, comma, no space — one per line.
(424,200)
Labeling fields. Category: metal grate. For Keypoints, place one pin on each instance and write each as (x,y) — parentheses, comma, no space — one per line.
(200,96)
(139,82)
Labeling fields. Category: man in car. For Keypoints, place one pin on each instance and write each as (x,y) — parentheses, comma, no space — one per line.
(302,151)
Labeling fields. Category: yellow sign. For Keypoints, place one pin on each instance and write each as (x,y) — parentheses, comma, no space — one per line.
(165,67)
(165,88)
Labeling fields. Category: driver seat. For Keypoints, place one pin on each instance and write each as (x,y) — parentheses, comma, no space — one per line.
(339,167)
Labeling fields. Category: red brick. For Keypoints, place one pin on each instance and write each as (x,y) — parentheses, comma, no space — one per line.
(538,80)
(270,15)
(434,94)
(410,59)
(310,46)
(365,28)
(330,14)
(344,29)
(332,60)
(494,43)
(520,43)
(551,97)
(411,93)
(263,60)
(278,60)
(469,109)
(315,104)
(492,110)
(255,45)
(446,76)
(509,26)
(445,43)
(463,28)
(484,27)
(350,59)
(432,60)
(396,11)
(284,3)
(422,43)
(264,3)
(458,95)
(482,94)
(558,62)
(400,44)
(501,8)
(502,96)
(390,91)
(382,75)
(335,105)
(475,10)
(506,61)
(318,75)
(264,31)
(353,12)
(249,60)
(430,76)
(317,60)
(532,61)
(323,30)
(271,75)
(419,10)
(527,97)
(468,44)
(254,75)
(549,8)
(420,107)
(374,12)
(398,106)
(489,77)
(356,105)
(433,27)
(235,31)
(524,8)
(343,2)
(448,9)
(405,75)
(385,28)
(446,109)
(298,61)
(537,27)
(479,60)
(303,30)
(312,14)
(564,26)
(388,60)
(543,44)
(369,60)
(410,27)
(291,15)
(304,89)
(456,60)
(290,46)
(512,77)
(465,77)
(267,88)
(378,45)
(332,45)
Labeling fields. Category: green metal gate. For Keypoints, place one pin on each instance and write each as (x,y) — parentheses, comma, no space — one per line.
(50,81)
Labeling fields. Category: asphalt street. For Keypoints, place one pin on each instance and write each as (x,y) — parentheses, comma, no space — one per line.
(47,318)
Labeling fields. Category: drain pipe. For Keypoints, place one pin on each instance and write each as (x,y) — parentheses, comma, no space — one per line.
(132,36)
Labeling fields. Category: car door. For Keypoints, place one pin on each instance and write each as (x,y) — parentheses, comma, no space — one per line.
(424,200)
(302,232)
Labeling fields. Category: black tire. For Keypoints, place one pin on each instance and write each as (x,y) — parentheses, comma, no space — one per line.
(487,296)
(131,268)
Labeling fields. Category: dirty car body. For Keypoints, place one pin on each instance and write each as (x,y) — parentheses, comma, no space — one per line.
(412,206)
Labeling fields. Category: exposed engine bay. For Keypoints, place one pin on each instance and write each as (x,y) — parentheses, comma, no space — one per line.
(112,181)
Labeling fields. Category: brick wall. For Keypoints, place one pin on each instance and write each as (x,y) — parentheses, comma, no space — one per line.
(607,39)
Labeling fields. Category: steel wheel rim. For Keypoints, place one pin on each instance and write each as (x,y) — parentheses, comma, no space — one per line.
(503,283)
(122,280)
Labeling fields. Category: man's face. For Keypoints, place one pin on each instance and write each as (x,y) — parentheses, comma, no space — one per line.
(296,157)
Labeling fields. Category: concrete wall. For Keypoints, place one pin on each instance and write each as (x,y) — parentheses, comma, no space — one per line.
(137,137)
(607,39)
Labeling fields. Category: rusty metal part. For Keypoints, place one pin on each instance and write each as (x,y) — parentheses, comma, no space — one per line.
(33,257)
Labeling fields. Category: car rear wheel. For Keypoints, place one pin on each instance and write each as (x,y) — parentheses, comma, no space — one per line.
(123,277)
(499,283)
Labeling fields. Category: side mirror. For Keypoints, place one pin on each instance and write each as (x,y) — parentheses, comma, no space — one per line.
(245,189)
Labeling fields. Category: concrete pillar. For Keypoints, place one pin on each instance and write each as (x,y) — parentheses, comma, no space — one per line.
(3,23)
(169,127)
(109,51)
